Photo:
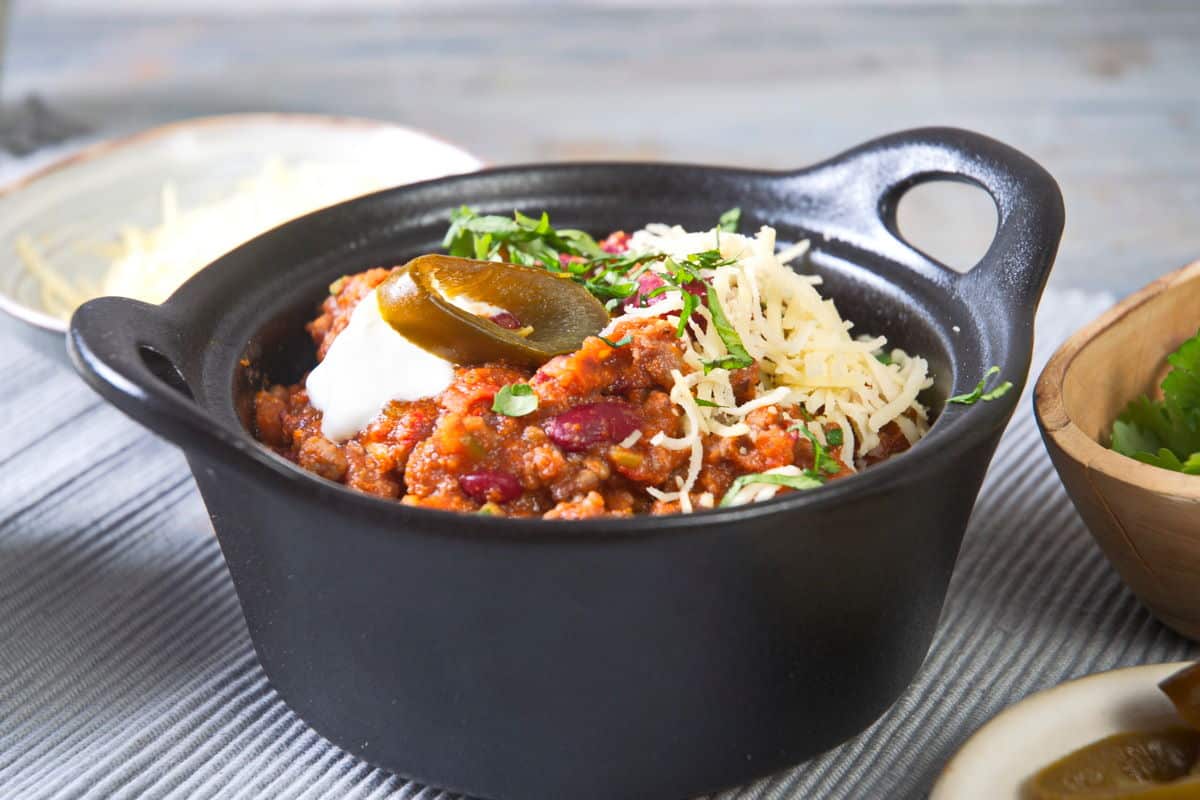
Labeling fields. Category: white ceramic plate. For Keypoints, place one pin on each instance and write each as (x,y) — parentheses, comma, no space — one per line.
(1017,742)
(85,198)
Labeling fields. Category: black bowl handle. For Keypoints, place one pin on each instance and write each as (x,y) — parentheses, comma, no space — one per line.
(127,351)
(863,187)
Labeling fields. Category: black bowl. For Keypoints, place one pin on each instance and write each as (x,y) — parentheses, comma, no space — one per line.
(649,657)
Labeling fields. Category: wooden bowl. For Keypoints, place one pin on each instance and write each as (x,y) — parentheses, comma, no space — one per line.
(1146,519)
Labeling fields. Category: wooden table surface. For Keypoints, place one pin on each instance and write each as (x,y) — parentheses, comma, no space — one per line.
(1106,97)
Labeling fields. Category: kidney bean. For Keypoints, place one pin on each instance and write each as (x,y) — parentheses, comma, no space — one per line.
(580,427)
(617,242)
(649,281)
(490,485)
(506,319)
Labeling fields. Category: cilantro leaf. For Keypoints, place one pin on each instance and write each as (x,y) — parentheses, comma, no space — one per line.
(1166,433)
(730,220)
(583,244)
(1164,458)
(690,303)
(610,291)
(624,340)
(1181,395)
(834,437)
(532,242)
(707,259)
(738,357)
(729,362)
(822,461)
(515,400)
(978,393)
(706,403)
(1129,438)
(805,480)
(1001,389)
(1150,421)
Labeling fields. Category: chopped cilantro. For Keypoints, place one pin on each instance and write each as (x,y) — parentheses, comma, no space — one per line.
(822,461)
(738,357)
(515,400)
(707,403)
(610,289)
(624,340)
(883,358)
(834,437)
(684,276)
(611,277)
(730,220)
(708,259)
(978,393)
(533,242)
(805,480)
(729,362)
(1001,389)
(690,303)
(1166,433)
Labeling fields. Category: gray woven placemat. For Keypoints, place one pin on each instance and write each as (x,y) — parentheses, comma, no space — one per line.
(126,670)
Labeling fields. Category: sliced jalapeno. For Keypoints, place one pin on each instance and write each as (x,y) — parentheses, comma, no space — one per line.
(417,300)
(1156,765)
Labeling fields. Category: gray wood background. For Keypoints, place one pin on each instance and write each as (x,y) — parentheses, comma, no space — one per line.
(1107,96)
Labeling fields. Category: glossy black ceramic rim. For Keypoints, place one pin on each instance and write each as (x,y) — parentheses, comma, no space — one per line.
(106,334)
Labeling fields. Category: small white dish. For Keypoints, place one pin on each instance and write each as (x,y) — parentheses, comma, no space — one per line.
(86,197)
(1001,756)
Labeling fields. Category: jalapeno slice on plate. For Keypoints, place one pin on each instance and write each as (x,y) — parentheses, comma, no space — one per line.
(431,299)
(1153,765)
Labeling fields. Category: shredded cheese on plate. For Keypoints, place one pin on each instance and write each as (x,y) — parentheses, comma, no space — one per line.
(152,262)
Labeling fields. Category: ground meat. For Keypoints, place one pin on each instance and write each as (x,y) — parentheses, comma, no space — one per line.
(596,368)
(374,461)
(566,460)
(590,505)
(318,454)
(269,408)
(891,441)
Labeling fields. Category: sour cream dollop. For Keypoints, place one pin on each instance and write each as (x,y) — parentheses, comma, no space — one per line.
(368,365)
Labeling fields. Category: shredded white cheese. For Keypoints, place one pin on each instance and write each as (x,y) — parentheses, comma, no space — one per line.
(58,295)
(806,355)
(151,263)
(631,439)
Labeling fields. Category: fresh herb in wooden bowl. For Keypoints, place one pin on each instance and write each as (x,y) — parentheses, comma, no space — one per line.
(1145,519)
(1166,433)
